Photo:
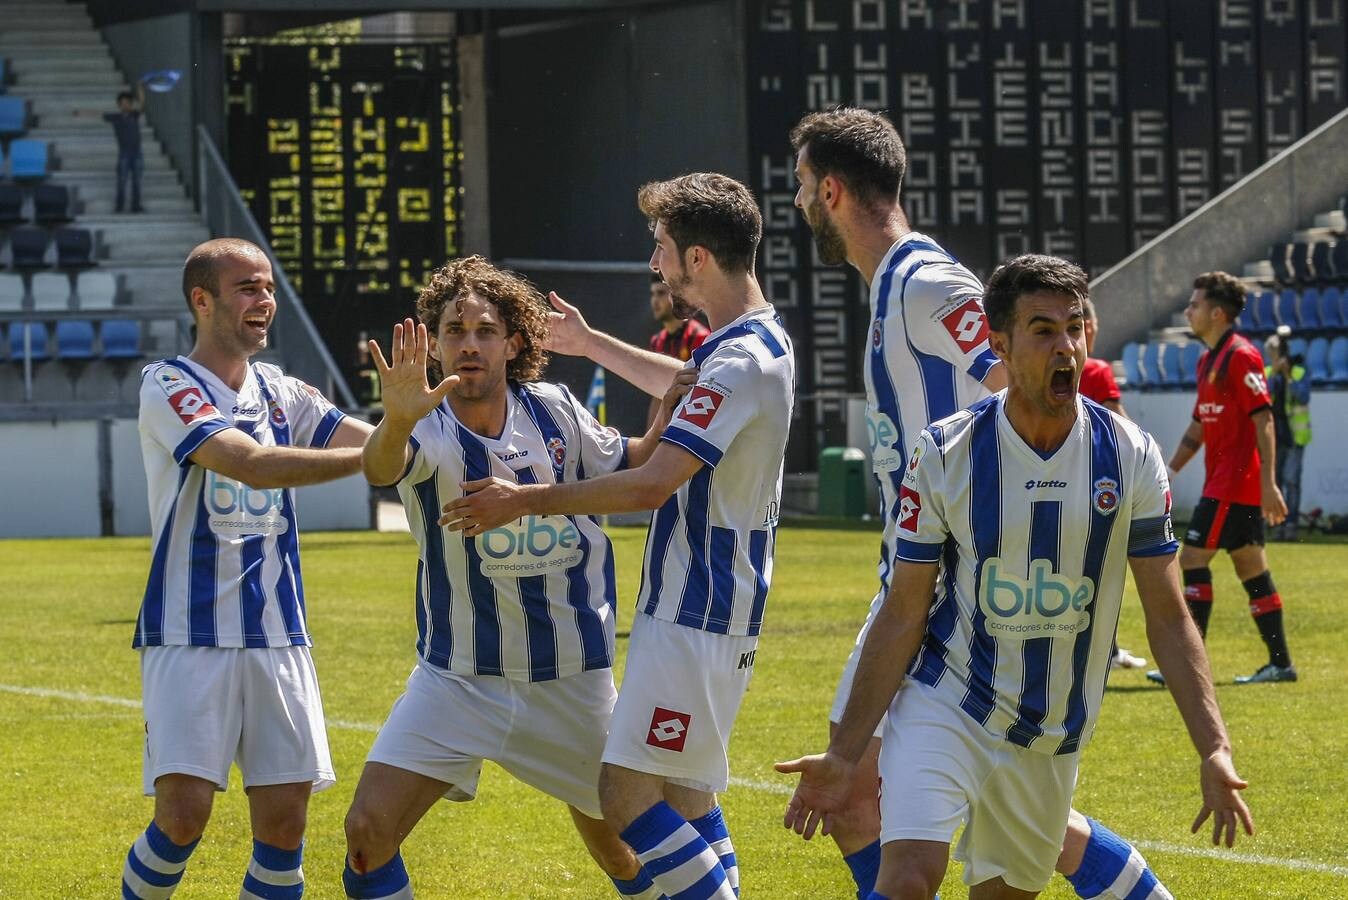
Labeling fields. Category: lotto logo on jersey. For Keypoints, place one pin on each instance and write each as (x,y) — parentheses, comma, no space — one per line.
(1045,604)
(701,406)
(669,729)
(191,406)
(967,324)
(910,508)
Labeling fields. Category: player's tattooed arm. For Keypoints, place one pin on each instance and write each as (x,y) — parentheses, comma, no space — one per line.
(1189,444)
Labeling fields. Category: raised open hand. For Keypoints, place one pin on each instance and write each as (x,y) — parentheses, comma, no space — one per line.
(406,395)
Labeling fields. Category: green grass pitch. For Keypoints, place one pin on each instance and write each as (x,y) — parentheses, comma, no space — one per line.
(71,733)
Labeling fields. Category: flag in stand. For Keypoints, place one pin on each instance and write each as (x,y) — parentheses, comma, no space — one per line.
(594,402)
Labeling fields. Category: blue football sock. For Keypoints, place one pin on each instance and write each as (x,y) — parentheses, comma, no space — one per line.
(274,874)
(865,866)
(388,882)
(154,866)
(1111,869)
(713,829)
(642,887)
(678,859)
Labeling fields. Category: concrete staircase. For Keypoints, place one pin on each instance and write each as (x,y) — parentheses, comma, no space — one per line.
(61,63)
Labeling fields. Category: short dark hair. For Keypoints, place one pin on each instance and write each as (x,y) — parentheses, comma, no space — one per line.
(859,146)
(520,304)
(1029,274)
(1223,289)
(127,96)
(202,269)
(707,210)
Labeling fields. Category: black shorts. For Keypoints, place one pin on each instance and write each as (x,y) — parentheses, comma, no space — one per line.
(1223,525)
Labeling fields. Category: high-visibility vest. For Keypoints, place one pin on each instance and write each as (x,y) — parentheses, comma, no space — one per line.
(1298,414)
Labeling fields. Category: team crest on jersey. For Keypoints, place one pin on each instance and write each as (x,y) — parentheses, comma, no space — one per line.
(1105,497)
(877,336)
(191,406)
(557,450)
(669,729)
(910,508)
(967,324)
(701,406)
(278,416)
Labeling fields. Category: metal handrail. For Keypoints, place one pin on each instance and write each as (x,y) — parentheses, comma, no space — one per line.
(225,214)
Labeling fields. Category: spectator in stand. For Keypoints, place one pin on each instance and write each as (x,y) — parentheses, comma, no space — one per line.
(1098,384)
(130,162)
(1289,385)
(677,337)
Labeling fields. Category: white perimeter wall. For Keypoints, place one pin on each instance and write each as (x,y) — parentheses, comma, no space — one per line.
(49,484)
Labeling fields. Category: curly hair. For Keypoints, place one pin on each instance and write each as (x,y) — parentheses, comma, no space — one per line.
(1223,289)
(520,304)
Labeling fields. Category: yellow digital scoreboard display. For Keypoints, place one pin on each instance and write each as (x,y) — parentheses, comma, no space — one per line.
(349,157)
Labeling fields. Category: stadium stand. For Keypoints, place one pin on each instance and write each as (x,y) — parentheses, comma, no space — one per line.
(28,248)
(11,205)
(1317,360)
(74,248)
(96,290)
(29,160)
(50,292)
(53,204)
(15,113)
(1338,361)
(36,333)
(12,293)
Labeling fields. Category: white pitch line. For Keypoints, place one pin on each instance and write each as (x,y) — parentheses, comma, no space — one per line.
(1214,853)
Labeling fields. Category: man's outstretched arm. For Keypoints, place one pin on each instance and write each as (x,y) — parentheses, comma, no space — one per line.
(491,502)
(571,335)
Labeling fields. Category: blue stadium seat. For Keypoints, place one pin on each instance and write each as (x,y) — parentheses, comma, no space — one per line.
(74,248)
(1331,309)
(1322,260)
(28,160)
(1169,362)
(75,339)
(1132,373)
(1151,365)
(121,339)
(1338,360)
(4,74)
(1297,347)
(1245,320)
(1263,321)
(1317,360)
(37,332)
(52,204)
(1284,310)
(1189,355)
(1309,310)
(28,248)
(14,116)
(11,204)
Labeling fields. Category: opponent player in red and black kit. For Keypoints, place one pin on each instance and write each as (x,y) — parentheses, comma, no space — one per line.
(1234,418)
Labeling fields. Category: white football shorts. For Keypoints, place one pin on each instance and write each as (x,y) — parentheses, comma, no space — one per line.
(548,734)
(681,691)
(849,671)
(208,707)
(939,767)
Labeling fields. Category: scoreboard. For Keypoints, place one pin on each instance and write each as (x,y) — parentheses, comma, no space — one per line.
(349,156)
(1081,128)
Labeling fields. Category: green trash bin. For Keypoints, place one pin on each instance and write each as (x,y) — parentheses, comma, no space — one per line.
(842,482)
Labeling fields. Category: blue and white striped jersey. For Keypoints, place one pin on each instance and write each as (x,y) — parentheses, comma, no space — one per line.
(709,549)
(1033,554)
(225,570)
(532,600)
(928,355)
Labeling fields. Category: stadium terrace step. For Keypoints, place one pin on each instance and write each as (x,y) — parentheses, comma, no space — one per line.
(137,239)
(86,90)
(50,38)
(151,181)
(104,157)
(102,205)
(28,61)
(37,79)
